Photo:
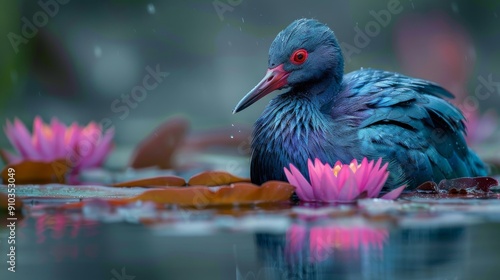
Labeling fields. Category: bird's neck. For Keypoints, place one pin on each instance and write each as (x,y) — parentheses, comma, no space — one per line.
(322,91)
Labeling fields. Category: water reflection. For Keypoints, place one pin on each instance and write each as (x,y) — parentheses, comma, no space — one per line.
(356,249)
(286,245)
(319,243)
(59,225)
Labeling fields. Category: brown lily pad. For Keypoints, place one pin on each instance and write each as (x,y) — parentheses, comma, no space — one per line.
(215,178)
(159,148)
(202,196)
(36,172)
(4,203)
(428,187)
(163,181)
(466,184)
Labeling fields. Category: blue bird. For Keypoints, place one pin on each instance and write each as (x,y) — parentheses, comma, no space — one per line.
(366,113)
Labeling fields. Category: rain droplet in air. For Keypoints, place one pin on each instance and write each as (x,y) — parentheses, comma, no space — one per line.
(232,136)
(151,9)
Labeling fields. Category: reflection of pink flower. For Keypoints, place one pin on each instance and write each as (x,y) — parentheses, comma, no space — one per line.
(342,183)
(324,240)
(82,147)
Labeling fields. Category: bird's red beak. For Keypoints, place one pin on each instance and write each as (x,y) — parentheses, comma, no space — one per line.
(274,79)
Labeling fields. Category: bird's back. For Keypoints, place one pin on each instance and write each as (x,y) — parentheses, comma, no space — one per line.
(407,122)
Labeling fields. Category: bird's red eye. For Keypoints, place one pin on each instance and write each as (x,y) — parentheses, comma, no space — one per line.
(299,56)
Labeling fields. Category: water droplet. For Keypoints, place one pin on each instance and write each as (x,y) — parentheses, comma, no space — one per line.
(240,29)
(97,51)
(232,124)
(239,130)
(229,43)
(243,20)
(151,9)
(232,136)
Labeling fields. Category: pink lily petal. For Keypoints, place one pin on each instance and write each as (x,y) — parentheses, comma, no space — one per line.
(25,146)
(314,177)
(329,185)
(11,135)
(101,150)
(40,140)
(362,174)
(350,189)
(11,158)
(56,141)
(58,130)
(344,173)
(303,188)
(394,193)
(378,180)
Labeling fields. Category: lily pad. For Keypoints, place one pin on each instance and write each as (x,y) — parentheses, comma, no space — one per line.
(428,187)
(215,178)
(163,181)
(463,185)
(202,196)
(36,172)
(159,147)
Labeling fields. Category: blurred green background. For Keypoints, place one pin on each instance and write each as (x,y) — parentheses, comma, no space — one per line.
(88,55)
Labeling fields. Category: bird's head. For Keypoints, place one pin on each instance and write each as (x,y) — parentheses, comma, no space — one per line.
(304,53)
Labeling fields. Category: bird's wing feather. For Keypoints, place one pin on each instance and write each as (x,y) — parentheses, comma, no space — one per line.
(407,120)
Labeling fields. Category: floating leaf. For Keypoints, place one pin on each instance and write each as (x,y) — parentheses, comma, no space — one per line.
(163,181)
(159,147)
(37,172)
(201,196)
(215,178)
(428,187)
(462,185)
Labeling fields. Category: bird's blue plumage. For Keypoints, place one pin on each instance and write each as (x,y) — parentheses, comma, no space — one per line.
(365,113)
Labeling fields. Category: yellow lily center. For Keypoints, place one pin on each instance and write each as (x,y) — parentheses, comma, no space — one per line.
(336,169)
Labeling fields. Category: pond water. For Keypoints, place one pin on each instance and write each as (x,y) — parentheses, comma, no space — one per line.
(412,238)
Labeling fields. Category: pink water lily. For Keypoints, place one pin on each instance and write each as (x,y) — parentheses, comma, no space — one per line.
(342,182)
(81,147)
